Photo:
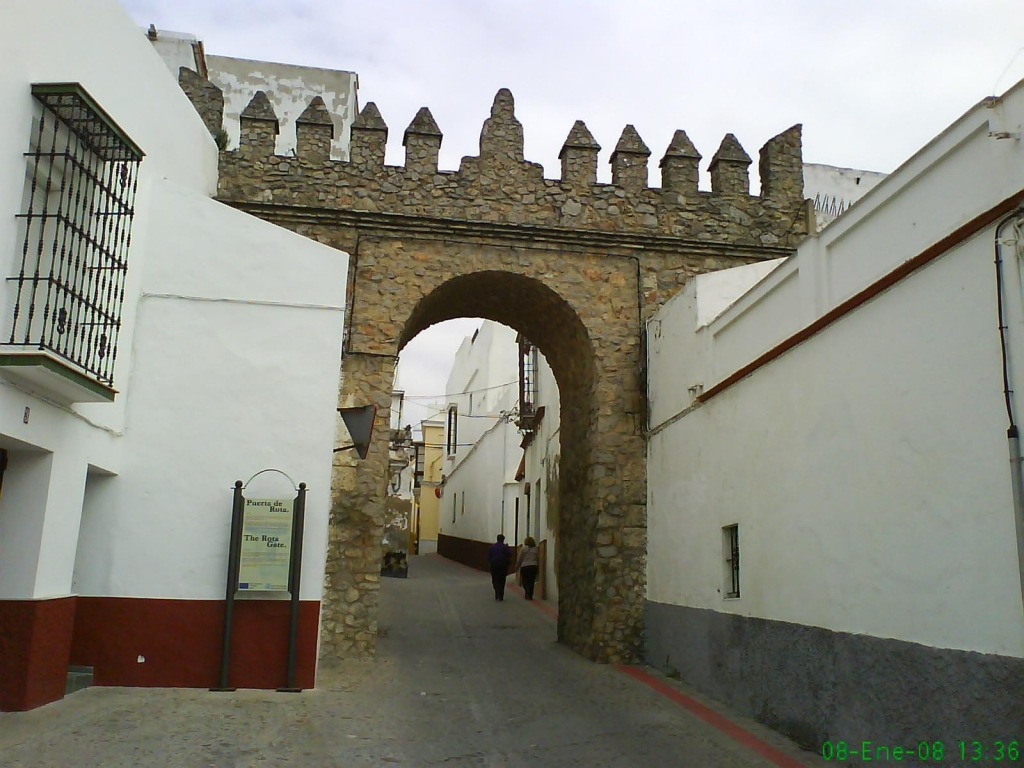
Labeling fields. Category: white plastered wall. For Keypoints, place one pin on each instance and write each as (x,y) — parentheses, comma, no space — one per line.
(210,390)
(542,457)
(236,367)
(484,479)
(289,88)
(97,45)
(867,466)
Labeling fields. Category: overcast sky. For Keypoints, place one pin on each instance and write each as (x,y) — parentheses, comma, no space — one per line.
(871,81)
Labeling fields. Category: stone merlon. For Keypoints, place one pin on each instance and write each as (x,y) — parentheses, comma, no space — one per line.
(630,143)
(504,104)
(680,168)
(260,108)
(206,97)
(369,135)
(502,134)
(629,161)
(422,142)
(781,168)
(729,168)
(730,151)
(579,138)
(314,131)
(422,125)
(681,146)
(316,113)
(369,119)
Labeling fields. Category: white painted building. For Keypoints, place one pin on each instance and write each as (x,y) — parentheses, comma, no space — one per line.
(502,473)
(832,189)
(132,399)
(480,448)
(289,87)
(833,542)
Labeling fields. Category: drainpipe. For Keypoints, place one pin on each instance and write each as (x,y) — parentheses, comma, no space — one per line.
(504,469)
(1012,433)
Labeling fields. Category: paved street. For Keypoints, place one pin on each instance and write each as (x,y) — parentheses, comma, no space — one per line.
(460,680)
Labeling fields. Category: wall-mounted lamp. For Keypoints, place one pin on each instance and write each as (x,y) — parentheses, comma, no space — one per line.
(359,422)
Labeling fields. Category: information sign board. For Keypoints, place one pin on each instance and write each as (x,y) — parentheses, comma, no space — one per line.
(266,545)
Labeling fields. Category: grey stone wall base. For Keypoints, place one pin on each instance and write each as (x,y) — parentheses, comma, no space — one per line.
(816,685)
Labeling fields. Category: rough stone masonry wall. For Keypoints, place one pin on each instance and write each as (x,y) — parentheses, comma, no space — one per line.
(352,579)
(574,265)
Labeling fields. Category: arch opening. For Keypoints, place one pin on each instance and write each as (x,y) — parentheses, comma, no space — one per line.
(542,316)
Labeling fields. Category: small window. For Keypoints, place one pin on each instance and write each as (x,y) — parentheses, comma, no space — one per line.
(536,502)
(529,507)
(731,547)
(454,506)
(452,441)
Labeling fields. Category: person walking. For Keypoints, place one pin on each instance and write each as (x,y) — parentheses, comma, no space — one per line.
(499,556)
(528,565)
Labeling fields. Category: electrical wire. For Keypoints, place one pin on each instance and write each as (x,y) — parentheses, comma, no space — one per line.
(456,394)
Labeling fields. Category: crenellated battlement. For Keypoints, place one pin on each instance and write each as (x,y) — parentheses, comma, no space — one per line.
(498,185)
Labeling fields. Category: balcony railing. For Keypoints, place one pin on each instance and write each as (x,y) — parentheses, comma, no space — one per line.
(79,203)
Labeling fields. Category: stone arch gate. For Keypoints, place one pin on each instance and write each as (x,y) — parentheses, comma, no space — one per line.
(574,265)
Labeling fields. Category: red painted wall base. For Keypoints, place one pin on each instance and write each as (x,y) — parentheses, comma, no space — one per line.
(35,644)
(177,643)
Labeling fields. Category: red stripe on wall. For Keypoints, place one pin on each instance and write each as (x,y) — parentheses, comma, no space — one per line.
(722,723)
(180,642)
(35,643)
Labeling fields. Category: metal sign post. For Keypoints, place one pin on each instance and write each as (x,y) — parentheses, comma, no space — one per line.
(298,518)
(234,553)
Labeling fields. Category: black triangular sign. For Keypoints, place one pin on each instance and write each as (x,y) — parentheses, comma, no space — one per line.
(359,421)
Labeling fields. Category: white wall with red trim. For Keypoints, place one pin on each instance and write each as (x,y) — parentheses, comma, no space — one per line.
(867,466)
(228,358)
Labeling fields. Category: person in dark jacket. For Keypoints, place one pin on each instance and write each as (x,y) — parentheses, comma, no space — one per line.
(499,556)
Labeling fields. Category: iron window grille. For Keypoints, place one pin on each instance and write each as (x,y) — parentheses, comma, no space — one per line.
(731,540)
(75,233)
(452,430)
(527,375)
(528,367)
(420,463)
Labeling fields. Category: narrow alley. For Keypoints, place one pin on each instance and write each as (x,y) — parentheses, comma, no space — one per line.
(460,680)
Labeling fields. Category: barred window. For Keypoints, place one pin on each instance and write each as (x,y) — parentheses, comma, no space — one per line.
(74,236)
(452,431)
(731,547)
(528,366)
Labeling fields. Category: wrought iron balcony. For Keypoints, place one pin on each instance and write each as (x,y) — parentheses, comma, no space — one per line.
(75,235)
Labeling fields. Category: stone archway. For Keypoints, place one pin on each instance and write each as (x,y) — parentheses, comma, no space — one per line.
(575,265)
(581,312)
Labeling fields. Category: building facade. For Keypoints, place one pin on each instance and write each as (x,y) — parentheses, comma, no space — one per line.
(149,357)
(289,88)
(836,532)
(430,467)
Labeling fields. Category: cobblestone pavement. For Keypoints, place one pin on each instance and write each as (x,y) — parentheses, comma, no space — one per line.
(460,680)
